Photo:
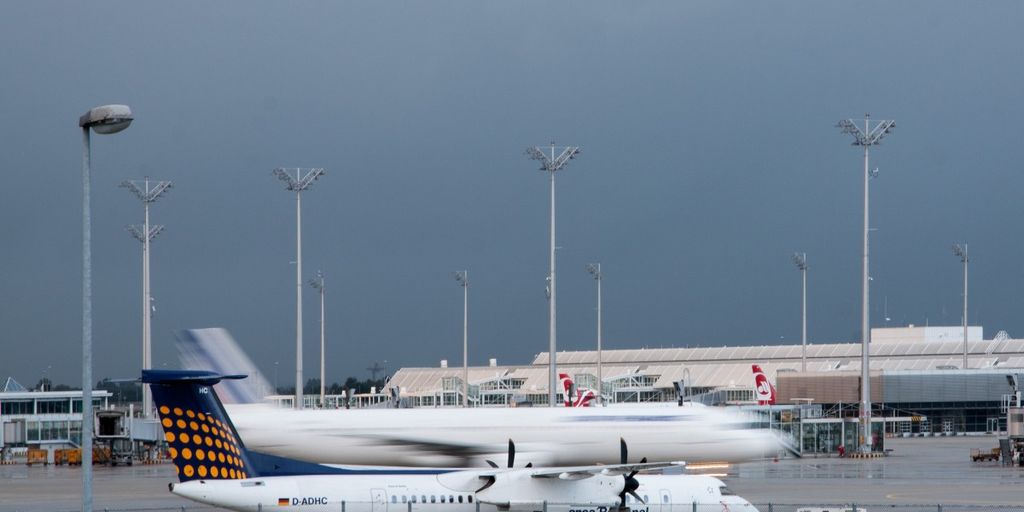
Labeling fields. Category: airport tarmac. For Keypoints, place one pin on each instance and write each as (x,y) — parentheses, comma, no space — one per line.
(919,474)
(918,471)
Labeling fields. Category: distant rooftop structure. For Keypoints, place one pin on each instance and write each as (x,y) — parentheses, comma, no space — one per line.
(927,334)
(12,386)
(628,372)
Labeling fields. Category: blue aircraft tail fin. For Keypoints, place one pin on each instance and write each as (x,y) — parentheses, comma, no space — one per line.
(202,441)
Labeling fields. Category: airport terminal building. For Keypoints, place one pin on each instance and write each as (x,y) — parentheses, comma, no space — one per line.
(42,418)
(916,375)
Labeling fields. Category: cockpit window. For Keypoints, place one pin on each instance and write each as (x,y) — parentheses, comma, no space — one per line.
(725,491)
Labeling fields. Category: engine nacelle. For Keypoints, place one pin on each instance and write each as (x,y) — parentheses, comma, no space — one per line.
(519,490)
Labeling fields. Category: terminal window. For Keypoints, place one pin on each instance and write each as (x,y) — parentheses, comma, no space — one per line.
(16,407)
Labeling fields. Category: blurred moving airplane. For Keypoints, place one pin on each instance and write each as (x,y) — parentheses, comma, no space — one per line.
(458,437)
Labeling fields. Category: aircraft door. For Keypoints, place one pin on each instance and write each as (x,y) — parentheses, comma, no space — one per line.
(378,500)
(665,499)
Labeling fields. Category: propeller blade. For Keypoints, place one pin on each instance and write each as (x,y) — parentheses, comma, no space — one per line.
(511,453)
(529,464)
(491,463)
(490,482)
(637,496)
(623,451)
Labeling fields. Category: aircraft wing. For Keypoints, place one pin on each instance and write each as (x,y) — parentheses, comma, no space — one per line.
(581,472)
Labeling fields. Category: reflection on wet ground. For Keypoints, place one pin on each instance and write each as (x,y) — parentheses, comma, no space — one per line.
(917,471)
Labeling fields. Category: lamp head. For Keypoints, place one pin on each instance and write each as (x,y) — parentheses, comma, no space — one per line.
(107,119)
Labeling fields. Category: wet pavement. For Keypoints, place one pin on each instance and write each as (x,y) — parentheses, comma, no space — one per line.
(919,474)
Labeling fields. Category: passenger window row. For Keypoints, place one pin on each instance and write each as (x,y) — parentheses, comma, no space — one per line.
(433,498)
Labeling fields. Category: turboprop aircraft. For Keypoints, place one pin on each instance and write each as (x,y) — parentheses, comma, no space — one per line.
(215,468)
(466,437)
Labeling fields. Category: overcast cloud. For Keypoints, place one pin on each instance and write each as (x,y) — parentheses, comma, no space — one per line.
(709,157)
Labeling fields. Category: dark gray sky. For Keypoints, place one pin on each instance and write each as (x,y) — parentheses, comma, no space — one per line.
(710,155)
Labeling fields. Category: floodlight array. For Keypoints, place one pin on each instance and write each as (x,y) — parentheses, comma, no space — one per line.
(548,161)
(800,260)
(961,252)
(139,231)
(143,191)
(318,281)
(874,134)
(303,177)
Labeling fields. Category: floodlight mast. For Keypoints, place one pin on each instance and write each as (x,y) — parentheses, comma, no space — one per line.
(302,180)
(869,136)
(800,259)
(318,284)
(961,252)
(146,233)
(594,269)
(552,164)
(462,277)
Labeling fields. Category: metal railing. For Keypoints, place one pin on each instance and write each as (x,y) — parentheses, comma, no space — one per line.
(353,506)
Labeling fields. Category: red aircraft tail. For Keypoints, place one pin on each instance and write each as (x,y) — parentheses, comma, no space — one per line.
(763,389)
(575,397)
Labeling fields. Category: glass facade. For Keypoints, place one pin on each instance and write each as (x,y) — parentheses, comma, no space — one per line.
(52,417)
(53,406)
(12,407)
(44,431)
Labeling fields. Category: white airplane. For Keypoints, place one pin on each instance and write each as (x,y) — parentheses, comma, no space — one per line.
(457,437)
(215,468)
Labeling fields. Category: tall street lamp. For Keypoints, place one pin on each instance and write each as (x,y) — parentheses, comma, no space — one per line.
(318,284)
(800,259)
(146,233)
(302,180)
(961,251)
(551,164)
(106,119)
(462,277)
(870,135)
(595,270)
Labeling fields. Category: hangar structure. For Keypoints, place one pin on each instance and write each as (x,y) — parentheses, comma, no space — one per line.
(915,372)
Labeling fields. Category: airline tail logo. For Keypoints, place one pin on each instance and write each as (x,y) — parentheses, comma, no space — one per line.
(763,389)
(575,397)
(201,440)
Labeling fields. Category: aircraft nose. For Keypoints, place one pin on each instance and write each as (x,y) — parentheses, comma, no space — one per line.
(191,490)
(738,504)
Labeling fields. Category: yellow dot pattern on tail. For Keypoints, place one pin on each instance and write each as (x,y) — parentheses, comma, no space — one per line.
(201,445)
